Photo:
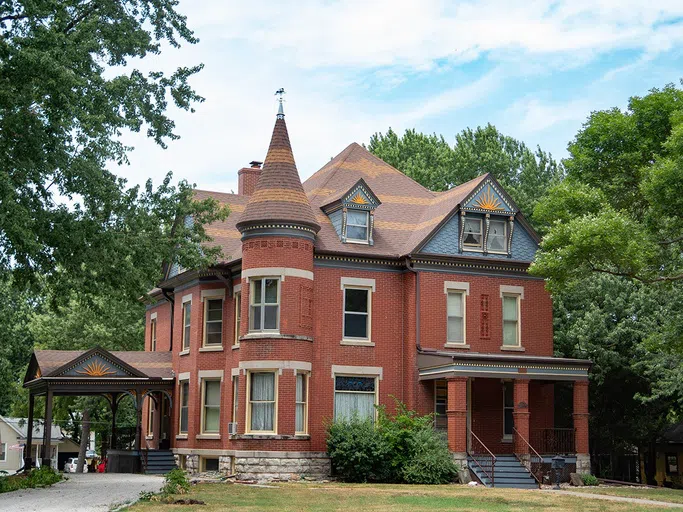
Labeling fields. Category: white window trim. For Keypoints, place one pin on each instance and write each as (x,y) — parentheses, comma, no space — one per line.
(307,380)
(358,281)
(464,293)
(518,346)
(449,286)
(153,316)
(505,237)
(182,379)
(237,311)
(210,376)
(511,290)
(187,298)
(185,349)
(213,293)
(153,333)
(247,427)
(213,346)
(363,371)
(279,305)
(351,339)
(365,240)
(273,365)
(377,377)
(470,247)
(281,272)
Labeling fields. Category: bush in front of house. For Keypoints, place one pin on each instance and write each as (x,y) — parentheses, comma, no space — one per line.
(176,482)
(400,448)
(41,477)
(589,479)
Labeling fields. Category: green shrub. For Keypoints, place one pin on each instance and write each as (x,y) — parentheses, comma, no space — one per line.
(35,478)
(403,448)
(356,450)
(176,482)
(589,479)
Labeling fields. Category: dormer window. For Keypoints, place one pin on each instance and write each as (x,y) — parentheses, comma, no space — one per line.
(473,234)
(497,237)
(357,222)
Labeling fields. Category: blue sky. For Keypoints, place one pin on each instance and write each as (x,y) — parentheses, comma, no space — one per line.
(535,69)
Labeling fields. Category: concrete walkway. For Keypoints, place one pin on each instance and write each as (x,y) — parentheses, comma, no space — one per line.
(82,493)
(637,501)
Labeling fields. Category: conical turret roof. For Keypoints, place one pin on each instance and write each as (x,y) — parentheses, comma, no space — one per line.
(279,196)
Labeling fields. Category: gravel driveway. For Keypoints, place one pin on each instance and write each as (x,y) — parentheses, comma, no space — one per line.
(80,493)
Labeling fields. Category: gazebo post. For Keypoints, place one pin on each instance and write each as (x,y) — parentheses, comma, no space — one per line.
(47,430)
(114,406)
(138,420)
(28,460)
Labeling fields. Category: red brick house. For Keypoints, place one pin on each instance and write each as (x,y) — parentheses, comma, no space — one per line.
(340,293)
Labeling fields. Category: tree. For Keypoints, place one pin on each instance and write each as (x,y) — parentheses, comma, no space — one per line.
(432,162)
(619,210)
(67,92)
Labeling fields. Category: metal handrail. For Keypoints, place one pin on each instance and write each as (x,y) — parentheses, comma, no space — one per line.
(493,459)
(531,449)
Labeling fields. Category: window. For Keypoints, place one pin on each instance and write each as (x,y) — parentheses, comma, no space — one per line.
(265,308)
(357,313)
(496,240)
(213,322)
(671,464)
(511,320)
(440,405)
(235,391)
(211,406)
(3,452)
(184,399)
(262,403)
(150,416)
(238,317)
(472,236)
(301,403)
(209,464)
(187,313)
(357,225)
(456,317)
(508,409)
(153,334)
(355,396)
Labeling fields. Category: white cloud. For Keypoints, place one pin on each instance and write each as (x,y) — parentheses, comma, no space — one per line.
(533,115)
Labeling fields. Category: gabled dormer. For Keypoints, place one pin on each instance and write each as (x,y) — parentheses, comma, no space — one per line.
(352,213)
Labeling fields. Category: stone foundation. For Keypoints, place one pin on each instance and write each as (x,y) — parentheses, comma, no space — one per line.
(583,463)
(275,468)
(460,458)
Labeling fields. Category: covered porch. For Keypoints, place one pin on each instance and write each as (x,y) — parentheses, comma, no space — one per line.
(98,372)
(501,408)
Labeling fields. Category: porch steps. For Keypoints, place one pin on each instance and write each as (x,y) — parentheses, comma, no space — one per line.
(508,473)
(159,462)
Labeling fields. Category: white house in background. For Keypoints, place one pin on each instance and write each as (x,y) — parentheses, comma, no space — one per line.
(13,440)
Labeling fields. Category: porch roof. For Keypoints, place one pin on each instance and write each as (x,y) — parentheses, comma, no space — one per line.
(441,364)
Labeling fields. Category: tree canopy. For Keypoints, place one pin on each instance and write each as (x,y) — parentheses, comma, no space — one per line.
(433,162)
(619,210)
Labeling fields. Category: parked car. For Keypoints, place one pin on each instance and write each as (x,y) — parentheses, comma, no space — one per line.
(71,464)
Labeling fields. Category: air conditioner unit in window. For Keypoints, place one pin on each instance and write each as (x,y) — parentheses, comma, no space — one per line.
(232,428)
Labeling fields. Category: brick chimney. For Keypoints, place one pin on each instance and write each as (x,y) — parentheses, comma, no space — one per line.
(248,178)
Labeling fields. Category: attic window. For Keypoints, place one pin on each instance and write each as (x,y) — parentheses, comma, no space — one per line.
(357,226)
(496,241)
(473,234)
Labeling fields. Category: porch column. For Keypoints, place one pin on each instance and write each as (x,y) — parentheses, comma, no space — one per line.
(114,407)
(521,415)
(138,419)
(47,430)
(28,461)
(457,416)
(156,419)
(581,426)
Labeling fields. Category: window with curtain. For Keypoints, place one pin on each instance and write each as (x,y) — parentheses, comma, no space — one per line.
(456,316)
(262,401)
(211,407)
(187,314)
(496,240)
(357,313)
(472,236)
(354,396)
(235,391)
(213,322)
(238,317)
(357,225)
(153,334)
(265,307)
(511,320)
(301,403)
(508,409)
(184,400)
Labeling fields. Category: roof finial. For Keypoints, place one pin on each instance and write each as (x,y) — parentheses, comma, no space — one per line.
(280,93)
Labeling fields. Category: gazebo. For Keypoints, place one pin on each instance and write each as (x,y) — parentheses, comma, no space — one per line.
(112,374)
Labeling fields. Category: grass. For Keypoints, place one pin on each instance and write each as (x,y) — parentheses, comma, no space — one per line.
(331,497)
(661,494)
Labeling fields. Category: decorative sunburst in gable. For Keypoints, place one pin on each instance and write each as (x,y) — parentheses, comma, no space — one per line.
(358,199)
(96,369)
(488,200)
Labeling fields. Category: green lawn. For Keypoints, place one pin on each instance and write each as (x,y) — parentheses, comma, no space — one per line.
(661,494)
(331,497)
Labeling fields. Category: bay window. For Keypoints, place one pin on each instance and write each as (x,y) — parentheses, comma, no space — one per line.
(213,322)
(264,314)
(262,402)
(301,403)
(211,406)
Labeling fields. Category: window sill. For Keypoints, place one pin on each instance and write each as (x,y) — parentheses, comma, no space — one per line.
(184,352)
(207,436)
(210,348)
(506,440)
(274,336)
(513,349)
(149,438)
(235,347)
(181,436)
(302,436)
(266,436)
(357,343)
(457,345)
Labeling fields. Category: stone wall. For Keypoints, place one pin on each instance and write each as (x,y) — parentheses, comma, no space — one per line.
(253,468)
